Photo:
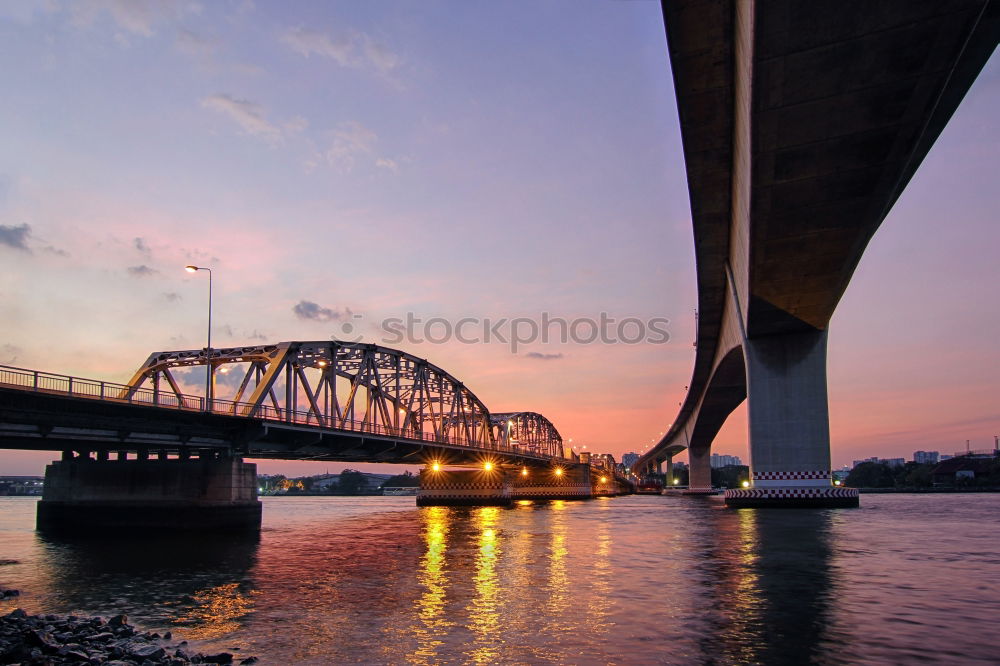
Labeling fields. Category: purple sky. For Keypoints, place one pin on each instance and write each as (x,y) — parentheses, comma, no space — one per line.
(447,159)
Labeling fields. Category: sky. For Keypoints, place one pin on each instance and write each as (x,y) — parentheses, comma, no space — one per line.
(339,164)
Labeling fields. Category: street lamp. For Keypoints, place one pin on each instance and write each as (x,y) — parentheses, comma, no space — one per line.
(209,371)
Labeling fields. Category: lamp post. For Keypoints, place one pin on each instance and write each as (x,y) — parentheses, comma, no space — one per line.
(210,370)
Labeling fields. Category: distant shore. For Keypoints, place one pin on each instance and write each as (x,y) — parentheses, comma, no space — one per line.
(310,494)
(991,489)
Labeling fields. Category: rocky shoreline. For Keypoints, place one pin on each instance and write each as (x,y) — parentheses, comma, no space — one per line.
(68,639)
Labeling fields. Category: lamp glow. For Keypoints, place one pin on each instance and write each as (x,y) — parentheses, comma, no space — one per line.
(746,484)
(559,471)
(488,467)
(436,467)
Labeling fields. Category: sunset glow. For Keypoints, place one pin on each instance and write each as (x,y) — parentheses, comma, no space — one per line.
(398,158)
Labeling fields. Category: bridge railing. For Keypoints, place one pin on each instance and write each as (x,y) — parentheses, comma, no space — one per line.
(47,382)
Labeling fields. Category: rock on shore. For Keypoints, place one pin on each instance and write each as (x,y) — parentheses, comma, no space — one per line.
(58,639)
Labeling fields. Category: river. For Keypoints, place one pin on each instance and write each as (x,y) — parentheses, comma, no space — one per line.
(628,580)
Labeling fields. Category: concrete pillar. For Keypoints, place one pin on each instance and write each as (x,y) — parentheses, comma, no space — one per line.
(604,484)
(475,487)
(90,496)
(569,482)
(699,472)
(668,471)
(789,425)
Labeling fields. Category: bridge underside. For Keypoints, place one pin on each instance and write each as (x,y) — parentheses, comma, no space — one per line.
(802,122)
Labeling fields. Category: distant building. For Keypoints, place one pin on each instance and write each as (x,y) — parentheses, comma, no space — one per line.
(717,461)
(891,462)
(325,482)
(961,468)
(924,457)
(21,485)
(630,459)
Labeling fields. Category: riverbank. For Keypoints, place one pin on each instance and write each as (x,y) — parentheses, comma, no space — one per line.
(68,639)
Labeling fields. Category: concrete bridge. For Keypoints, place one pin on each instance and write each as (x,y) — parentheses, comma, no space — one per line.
(802,122)
(145,453)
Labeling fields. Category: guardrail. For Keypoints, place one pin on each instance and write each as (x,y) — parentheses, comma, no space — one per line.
(94,389)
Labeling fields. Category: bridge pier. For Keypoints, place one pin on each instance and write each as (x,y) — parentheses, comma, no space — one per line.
(499,487)
(569,482)
(473,487)
(605,485)
(789,425)
(699,471)
(86,495)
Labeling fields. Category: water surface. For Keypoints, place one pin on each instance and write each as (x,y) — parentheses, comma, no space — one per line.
(628,580)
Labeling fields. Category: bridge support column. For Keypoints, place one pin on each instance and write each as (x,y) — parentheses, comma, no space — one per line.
(546,483)
(463,488)
(604,485)
(668,473)
(85,495)
(699,472)
(789,425)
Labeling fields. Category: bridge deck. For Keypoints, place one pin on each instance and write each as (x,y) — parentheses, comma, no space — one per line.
(52,412)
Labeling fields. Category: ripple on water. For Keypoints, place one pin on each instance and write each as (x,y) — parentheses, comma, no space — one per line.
(631,580)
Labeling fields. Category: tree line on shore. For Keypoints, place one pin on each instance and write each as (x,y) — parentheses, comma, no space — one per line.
(349,482)
(918,475)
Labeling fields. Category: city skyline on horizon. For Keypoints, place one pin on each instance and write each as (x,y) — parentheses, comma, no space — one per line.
(541,171)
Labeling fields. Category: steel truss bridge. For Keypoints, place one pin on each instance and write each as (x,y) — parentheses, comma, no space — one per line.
(326,400)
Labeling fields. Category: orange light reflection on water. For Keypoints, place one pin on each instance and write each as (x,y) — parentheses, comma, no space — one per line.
(600,576)
(743,597)
(484,615)
(433,578)
(558,586)
(218,612)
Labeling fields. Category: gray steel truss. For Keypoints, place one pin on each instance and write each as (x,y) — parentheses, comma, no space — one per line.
(343,385)
(526,431)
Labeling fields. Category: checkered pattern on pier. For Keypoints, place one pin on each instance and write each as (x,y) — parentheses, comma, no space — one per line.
(790,493)
(791,476)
